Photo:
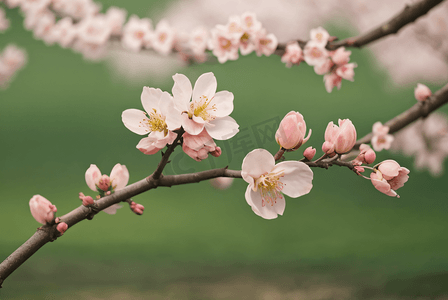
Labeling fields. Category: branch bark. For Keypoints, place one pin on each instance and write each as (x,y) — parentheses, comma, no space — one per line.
(418,110)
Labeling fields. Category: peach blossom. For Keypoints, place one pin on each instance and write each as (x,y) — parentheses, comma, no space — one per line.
(388,177)
(268,181)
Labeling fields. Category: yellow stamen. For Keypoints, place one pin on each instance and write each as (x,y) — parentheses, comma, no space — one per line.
(202,108)
(270,187)
(156,122)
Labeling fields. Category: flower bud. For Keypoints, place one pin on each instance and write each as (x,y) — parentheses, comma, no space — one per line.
(309,153)
(369,156)
(86,200)
(42,209)
(343,137)
(422,92)
(389,177)
(62,227)
(291,132)
(104,183)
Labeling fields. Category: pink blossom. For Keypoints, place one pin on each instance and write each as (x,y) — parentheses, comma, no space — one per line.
(199,146)
(62,227)
(118,178)
(332,80)
(422,92)
(388,177)
(339,139)
(115,18)
(249,28)
(309,153)
(42,209)
(94,30)
(293,55)
(221,183)
(268,181)
(163,38)
(202,107)
(64,32)
(340,57)
(381,139)
(136,32)
(159,120)
(291,132)
(198,41)
(78,9)
(314,53)
(44,29)
(223,44)
(346,71)
(320,36)
(265,43)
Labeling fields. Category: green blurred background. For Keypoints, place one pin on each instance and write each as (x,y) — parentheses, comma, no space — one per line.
(344,240)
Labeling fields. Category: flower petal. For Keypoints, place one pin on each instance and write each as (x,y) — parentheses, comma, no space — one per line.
(223,102)
(205,86)
(297,180)
(182,91)
(150,98)
(256,163)
(112,210)
(135,120)
(119,176)
(92,176)
(256,202)
(149,146)
(222,128)
(191,126)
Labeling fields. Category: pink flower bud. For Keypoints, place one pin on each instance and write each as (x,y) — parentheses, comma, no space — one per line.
(328,147)
(291,132)
(199,146)
(104,183)
(369,156)
(87,200)
(42,209)
(309,153)
(422,92)
(137,208)
(340,56)
(343,137)
(62,227)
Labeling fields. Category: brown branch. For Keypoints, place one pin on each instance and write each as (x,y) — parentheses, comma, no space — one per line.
(409,14)
(418,110)
(158,172)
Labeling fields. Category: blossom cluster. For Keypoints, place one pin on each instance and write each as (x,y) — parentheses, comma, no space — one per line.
(334,65)
(201,112)
(12,59)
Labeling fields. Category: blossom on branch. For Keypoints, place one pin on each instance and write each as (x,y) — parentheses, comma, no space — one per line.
(105,185)
(293,55)
(159,120)
(199,146)
(381,139)
(203,107)
(268,181)
(136,33)
(389,177)
(42,209)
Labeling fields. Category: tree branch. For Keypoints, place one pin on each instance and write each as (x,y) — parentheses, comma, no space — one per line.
(409,14)
(418,110)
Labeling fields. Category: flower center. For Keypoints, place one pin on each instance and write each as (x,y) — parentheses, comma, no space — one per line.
(202,108)
(270,187)
(224,43)
(156,122)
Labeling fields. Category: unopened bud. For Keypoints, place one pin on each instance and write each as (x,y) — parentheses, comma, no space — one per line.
(422,92)
(62,227)
(328,147)
(309,153)
(217,152)
(104,183)
(369,156)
